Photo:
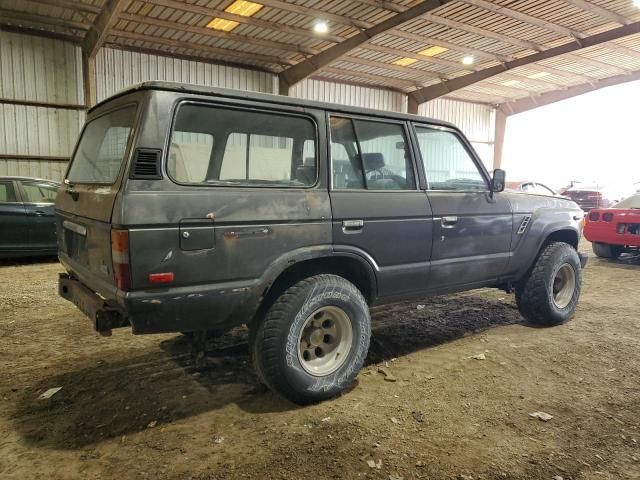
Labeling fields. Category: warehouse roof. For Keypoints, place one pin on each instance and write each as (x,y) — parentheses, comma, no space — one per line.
(516,53)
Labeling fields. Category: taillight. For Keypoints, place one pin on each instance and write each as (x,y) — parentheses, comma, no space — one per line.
(594,216)
(607,217)
(120,258)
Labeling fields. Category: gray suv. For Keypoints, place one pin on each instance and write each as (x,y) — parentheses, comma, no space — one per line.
(188,209)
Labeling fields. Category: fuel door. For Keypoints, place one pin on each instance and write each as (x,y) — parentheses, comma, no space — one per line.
(197,234)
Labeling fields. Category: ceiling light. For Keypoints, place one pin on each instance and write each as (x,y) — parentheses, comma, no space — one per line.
(320,27)
(432,51)
(468,60)
(403,62)
(239,7)
(243,8)
(540,74)
(222,24)
(510,83)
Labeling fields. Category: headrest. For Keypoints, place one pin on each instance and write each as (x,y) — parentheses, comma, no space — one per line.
(372,161)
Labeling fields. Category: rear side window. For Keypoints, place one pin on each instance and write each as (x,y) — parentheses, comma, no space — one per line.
(101,150)
(197,148)
(447,163)
(38,192)
(7,193)
(242,147)
(371,155)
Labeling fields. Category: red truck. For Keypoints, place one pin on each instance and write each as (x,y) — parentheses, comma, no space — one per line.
(615,230)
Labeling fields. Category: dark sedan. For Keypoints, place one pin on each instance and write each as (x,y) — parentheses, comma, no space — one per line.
(27,224)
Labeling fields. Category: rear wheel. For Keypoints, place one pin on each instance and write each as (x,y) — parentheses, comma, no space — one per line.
(604,250)
(549,294)
(313,340)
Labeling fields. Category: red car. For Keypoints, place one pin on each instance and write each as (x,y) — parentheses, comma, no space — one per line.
(613,231)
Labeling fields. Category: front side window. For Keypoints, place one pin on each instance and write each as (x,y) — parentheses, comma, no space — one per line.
(447,163)
(237,147)
(38,192)
(371,155)
(102,147)
(7,193)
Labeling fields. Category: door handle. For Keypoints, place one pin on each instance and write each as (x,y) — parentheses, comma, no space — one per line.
(449,222)
(39,213)
(352,226)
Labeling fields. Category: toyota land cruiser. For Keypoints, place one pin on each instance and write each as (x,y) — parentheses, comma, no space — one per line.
(191,209)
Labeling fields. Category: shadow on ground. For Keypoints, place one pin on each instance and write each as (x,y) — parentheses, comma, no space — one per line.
(626,259)
(19,261)
(110,399)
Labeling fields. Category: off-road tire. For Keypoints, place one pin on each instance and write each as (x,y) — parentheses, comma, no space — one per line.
(534,293)
(604,250)
(274,339)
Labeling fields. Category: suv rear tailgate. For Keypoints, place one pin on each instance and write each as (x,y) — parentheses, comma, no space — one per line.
(85,201)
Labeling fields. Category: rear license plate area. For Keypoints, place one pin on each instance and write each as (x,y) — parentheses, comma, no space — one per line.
(630,228)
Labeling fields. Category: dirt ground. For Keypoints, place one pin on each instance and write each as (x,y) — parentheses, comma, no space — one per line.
(134,406)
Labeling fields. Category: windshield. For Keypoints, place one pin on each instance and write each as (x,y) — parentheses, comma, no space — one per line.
(632,202)
(101,150)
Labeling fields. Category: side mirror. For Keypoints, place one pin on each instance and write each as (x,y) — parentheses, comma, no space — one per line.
(498,180)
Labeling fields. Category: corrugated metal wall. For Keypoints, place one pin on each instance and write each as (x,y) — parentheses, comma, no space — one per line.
(475,120)
(118,69)
(39,70)
(353,95)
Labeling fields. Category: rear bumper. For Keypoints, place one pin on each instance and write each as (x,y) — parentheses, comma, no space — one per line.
(612,238)
(180,309)
(103,316)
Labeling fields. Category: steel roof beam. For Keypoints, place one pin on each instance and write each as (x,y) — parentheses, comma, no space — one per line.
(429,93)
(41,19)
(103,23)
(79,6)
(264,59)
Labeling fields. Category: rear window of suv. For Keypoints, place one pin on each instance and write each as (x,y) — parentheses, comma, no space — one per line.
(224,146)
(101,150)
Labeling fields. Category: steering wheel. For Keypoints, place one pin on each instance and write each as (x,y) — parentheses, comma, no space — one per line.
(379,174)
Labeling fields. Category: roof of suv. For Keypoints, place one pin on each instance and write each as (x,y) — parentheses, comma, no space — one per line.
(266,97)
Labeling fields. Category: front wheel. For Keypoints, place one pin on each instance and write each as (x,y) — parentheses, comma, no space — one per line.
(314,339)
(604,250)
(549,294)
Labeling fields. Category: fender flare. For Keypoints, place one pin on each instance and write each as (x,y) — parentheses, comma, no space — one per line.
(295,257)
